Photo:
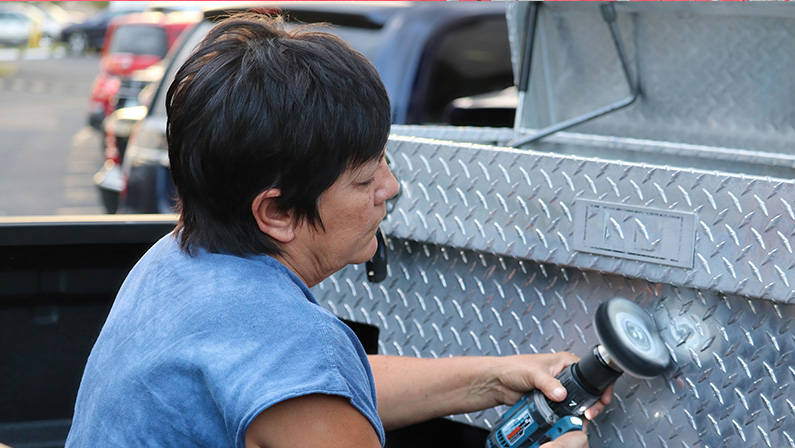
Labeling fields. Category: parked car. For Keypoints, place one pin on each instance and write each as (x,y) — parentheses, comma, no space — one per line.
(89,35)
(428,54)
(16,29)
(134,42)
(131,103)
(110,180)
(19,25)
(130,87)
(53,20)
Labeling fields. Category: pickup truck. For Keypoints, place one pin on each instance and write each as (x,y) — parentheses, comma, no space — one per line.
(58,279)
(651,159)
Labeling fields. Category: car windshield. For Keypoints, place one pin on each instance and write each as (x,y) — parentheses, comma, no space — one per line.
(364,40)
(192,40)
(139,39)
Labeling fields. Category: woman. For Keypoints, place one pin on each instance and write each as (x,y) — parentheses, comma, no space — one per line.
(276,144)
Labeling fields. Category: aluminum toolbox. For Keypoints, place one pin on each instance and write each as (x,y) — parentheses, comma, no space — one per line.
(681,201)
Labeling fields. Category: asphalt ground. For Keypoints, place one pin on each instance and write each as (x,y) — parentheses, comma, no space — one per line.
(48,153)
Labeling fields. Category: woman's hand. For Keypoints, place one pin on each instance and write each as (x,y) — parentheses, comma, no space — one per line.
(511,377)
(412,390)
(521,373)
(572,439)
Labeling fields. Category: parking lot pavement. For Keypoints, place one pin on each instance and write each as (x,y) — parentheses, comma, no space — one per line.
(22,84)
(48,153)
(80,196)
(29,54)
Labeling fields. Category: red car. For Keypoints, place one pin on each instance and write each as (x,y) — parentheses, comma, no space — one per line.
(133,42)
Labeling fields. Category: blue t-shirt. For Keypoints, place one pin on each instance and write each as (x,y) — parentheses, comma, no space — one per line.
(195,348)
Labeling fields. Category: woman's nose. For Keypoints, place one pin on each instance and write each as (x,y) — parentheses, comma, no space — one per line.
(389,185)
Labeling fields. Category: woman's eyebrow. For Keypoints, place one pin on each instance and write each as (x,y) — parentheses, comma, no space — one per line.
(369,172)
(363,171)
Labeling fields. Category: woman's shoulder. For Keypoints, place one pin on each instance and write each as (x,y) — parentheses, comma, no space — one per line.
(208,290)
(206,274)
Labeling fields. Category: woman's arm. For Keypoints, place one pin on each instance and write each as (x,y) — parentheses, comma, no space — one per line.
(411,390)
(317,420)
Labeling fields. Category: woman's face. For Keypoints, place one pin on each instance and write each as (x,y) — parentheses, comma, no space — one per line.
(351,210)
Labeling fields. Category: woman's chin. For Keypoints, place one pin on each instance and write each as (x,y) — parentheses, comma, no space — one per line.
(367,253)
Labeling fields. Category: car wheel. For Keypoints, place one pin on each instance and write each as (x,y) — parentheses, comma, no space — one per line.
(78,43)
(45,42)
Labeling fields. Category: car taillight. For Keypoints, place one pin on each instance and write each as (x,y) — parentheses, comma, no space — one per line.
(110,89)
(105,86)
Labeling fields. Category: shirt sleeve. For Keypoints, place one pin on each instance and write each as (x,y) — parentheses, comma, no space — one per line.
(261,352)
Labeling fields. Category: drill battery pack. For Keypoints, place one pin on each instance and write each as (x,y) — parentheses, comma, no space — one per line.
(530,423)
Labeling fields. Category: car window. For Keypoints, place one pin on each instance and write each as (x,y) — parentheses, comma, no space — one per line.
(13,18)
(139,39)
(364,40)
(472,59)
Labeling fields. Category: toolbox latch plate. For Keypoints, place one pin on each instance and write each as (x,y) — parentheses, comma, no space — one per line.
(646,234)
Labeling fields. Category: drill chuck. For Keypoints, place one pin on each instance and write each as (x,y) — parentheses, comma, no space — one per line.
(585,382)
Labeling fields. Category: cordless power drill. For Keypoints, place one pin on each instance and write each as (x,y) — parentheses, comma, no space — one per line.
(629,342)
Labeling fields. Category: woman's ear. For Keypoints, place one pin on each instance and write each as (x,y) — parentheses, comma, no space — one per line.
(271,219)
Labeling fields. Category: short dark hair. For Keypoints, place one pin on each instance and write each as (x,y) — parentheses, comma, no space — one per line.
(257,107)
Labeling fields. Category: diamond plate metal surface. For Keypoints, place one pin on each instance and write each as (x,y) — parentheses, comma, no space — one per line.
(732,385)
(481,263)
(730,160)
(520,204)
